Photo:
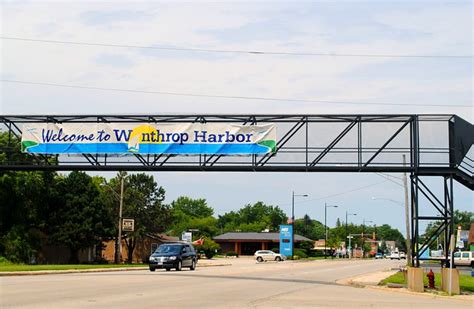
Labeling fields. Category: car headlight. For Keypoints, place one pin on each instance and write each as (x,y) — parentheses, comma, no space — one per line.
(172,258)
(152,258)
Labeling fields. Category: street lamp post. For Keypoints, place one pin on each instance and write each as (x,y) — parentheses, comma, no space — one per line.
(326,228)
(293,220)
(347,232)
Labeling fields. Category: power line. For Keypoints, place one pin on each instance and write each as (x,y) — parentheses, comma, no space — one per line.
(237,51)
(225,96)
(336,194)
(389,179)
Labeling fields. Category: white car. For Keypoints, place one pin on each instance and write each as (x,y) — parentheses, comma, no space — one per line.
(403,255)
(267,255)
(395,256)
(464,258)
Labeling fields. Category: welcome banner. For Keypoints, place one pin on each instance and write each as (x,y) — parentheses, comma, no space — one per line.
(146,138)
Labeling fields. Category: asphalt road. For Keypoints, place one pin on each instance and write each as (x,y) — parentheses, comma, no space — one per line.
(244,284)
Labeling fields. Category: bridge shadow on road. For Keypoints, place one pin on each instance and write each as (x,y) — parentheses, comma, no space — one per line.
(251,278)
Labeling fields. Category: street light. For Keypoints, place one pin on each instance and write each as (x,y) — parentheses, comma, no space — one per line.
(293,220)
(348,214)
(118,243)
(326,228)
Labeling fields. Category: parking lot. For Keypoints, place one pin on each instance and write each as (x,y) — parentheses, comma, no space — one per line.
(244,283)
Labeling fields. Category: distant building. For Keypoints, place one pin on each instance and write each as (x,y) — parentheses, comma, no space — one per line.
(246,243)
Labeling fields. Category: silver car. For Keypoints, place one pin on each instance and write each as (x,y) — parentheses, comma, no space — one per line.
(267,255)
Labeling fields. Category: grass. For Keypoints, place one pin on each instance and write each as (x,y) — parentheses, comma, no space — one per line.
(466,282)
(4,267)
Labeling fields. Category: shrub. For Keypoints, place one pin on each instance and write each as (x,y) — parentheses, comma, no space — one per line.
(209,247)
(232,253)
(17,245)
(300,253)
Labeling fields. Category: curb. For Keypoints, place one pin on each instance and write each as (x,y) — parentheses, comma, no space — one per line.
(78,271)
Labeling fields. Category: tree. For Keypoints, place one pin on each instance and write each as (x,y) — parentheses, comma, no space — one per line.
(78,219)
(309,228)
(197,208)
(253,218)
(461,218)
(209,247)
(143,202)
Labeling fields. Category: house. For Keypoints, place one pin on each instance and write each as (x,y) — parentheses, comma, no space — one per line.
(142,251)
(246,243)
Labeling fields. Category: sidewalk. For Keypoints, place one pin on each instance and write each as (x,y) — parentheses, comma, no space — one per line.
(371,281)
(201,263)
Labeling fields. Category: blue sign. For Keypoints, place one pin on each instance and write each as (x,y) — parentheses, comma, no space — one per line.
(286,240)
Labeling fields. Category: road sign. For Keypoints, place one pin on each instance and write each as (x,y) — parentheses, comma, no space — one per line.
(187,236)
(128,225)
(286,240)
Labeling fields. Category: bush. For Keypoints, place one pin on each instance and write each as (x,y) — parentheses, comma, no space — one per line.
(232,253)
(4,261)
(300,253)
(17,245)
(209,247)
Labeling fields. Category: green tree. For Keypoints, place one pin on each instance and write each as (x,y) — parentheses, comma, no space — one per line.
(143,202)
(309,228)
(210,248)
(461,218)
(78,219)
(253,218)
(196,208)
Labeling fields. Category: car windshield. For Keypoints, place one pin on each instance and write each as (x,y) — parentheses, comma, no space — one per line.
(173,249)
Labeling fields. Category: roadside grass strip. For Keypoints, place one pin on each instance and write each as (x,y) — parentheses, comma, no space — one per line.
(7,267)
(466,282)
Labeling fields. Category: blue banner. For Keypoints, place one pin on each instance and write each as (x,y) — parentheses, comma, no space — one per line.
(148,138)
(286,240)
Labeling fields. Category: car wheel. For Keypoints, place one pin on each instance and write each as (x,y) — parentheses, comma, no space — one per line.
(179,266)
(152,269)
(259,259)
(193,265)
(168,269)
(278,259)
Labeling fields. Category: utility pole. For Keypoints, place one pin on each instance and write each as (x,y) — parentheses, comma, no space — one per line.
(293,220)
(407,216)
(326,228)
(347,232)
(119,236)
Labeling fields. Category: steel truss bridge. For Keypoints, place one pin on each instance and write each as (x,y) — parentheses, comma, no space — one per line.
(424,146)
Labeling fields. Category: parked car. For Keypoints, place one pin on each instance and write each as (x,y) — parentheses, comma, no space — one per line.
(395,256)
(173,255)
(378,255)
(403,255)
(464,258)
(267,255)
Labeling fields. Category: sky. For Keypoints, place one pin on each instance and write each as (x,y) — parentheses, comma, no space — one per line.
(428,28)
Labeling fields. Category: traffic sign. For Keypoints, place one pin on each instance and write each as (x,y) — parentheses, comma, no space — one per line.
(128,225)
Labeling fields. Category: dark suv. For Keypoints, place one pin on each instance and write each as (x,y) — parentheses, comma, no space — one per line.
(173,255)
